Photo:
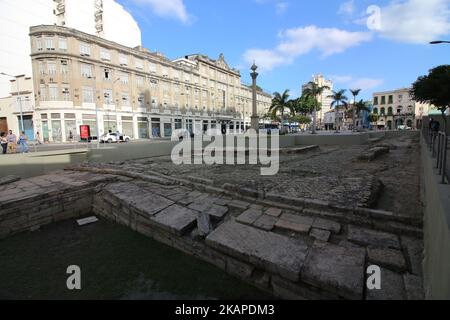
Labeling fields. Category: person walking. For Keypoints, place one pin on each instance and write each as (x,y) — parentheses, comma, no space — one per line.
(12,141)
(4,142)
(23,142)
(38,138)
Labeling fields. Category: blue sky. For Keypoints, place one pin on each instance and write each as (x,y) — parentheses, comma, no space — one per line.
(293,39)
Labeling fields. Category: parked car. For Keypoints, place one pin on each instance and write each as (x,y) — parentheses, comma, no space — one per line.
(114,138)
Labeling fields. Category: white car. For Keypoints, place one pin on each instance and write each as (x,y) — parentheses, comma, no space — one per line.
(114,138)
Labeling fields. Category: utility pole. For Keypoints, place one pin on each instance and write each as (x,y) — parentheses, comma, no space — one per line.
(96,110)
(255,118)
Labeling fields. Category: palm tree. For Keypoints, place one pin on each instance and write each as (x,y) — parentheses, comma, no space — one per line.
(339,99)
(313,90)
(355,93)
(360,107)
(280,102)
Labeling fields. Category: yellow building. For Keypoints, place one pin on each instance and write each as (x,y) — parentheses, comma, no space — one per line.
(80,77)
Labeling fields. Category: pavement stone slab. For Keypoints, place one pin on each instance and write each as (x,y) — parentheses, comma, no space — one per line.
(238,204)
(275,212)
(372,238)
(265,222)
(388,258)
(291,226)
(336,269)
(249,216)
(217,212)
(319,234)
(298,219)
(413,287)
(329,225)
(392,287)
(176,219)
(269,251)
(414,251)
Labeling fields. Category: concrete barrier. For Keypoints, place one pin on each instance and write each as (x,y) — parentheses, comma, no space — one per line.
(436,199)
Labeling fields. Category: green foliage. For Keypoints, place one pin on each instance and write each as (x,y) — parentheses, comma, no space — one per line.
(301,119)
(339,99)
(280,103)
(434,88)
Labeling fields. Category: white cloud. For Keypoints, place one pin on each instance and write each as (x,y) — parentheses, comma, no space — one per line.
(347,8)
(168,8)
(415,21)
(281,7)
(351,82)
(299,41)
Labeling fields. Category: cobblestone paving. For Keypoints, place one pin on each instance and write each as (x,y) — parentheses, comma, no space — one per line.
(332,174)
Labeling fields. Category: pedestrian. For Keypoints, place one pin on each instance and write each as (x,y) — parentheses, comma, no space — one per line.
(70,136)
(38,138)
(4,142)
(23,142)
(12,140)
(434,126)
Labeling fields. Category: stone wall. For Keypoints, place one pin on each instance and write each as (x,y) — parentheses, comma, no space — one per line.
(436,198)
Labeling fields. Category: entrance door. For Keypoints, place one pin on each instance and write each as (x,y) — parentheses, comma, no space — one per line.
(45,131)
(28,126)
(3,125)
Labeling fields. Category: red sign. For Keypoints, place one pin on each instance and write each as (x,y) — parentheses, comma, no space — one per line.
(85,132)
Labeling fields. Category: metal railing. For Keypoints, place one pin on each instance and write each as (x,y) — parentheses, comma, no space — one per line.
(438,143)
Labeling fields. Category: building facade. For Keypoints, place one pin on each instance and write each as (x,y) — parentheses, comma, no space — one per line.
(394,109)
(79,78)
(17,110)
(324,99)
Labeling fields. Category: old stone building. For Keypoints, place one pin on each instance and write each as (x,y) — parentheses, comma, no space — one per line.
(79,78)
(394,109)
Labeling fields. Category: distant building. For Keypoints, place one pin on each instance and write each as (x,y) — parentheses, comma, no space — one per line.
(394,109)
(142,94)
(17,101)
(324,99)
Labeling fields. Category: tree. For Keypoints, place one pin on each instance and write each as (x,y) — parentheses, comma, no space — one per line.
(301,119)
(360,107)
(305,105)
(434,89)
(313,90)
(355,93)
(280,103)
(339,98)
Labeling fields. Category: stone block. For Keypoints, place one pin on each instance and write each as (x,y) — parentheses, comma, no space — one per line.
(329,225)
(414,252)
(249,216)
(388,258)
(204,224)
(176,219)
(266,250)
(237,204)
(265,222)
(294,227)
(413,287)
(372,238)
(321,235)
(239,269)
(392,287)
(337,269)
(274,212)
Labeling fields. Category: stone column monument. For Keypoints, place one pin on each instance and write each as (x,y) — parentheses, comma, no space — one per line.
(255,117)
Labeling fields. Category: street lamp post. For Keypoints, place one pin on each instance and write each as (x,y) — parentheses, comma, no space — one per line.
(96,110)
(439,42)
(255,118)
(18,97)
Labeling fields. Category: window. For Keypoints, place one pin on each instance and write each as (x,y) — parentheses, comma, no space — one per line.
(64,68)
(125,99)
(106,74)
(86,70)
(62,45)
(139,64)
(152,67)
(140,81)
(85,49)
(41,68)
(383,100)
(105,55)
(49,44)
(391,99)
(375,101)
(123,60)
(51,68)
(38,44)
(154,102)
(107,93)
(165,72)
(43,92)
(141,100)
(124,78)
(53,92)
(88,95)
(66,94)
(383,111)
